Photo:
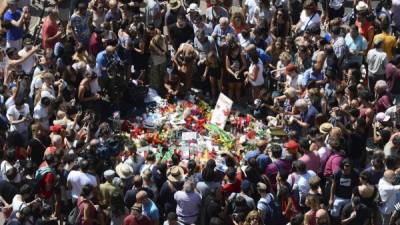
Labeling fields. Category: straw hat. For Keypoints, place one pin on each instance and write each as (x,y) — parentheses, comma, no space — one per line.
(175,174)
(174,4)
(124,171)
(325,128)
(361,6)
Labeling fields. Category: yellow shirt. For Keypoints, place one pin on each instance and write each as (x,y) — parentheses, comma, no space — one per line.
(106,190)
(389,43)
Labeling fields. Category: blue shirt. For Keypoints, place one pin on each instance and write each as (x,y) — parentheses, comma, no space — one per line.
(311,75)
(359,44)
(14,33)
(221,34)
(102,61)
(150,209)
(309,116)
(80,24)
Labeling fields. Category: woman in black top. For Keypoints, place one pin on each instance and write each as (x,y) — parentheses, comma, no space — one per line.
(235,65)
(368,194)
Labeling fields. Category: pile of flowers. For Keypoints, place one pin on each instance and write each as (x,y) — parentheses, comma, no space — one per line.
(162,128)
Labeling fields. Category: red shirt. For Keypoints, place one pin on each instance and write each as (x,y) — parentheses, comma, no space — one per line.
(47,179)
(132,220)
(49,29)
(92,211)
(230,188)
(94,44)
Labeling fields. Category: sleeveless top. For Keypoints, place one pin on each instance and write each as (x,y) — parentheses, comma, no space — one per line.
(369,201)
(312,217)
(260,78)
(236,64)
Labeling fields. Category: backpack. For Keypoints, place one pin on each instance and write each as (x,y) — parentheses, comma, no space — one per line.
(272,214)
(74,217)
(42,171)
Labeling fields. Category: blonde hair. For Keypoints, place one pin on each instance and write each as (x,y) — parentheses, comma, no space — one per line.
(285,56)
(312,201)
(158,41)
(237,14)
(253,215)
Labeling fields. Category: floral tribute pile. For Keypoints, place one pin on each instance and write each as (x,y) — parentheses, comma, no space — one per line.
(184,127)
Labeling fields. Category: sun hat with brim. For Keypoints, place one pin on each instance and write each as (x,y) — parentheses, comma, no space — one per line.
(261,186)
(175,174)
(325,128)
(361,6)
(174,4)
(193,7)
(137,207)
(109,174)
(124,171)
(382,117)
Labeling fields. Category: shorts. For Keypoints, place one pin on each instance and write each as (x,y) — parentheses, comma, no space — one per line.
(16,44)
(338,205)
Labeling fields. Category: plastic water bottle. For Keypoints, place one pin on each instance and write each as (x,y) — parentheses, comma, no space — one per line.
(363,72)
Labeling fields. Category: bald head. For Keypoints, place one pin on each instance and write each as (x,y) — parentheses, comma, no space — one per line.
(335,132)
(110,49)
(322,217)
(250,48)
(112,4)
(389,176)
(141,197)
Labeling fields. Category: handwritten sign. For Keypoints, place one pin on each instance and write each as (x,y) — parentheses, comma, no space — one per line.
(189,136)
(221,111)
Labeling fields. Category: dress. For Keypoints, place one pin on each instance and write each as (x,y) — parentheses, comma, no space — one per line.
(236,64)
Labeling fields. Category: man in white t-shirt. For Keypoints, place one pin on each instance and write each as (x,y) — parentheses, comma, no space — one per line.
(299,180)
(309,17)
(78,178)
(41,112)
(30,62)
(19,117)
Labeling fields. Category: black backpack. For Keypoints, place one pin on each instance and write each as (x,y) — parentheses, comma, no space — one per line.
(74,217)
(273,215)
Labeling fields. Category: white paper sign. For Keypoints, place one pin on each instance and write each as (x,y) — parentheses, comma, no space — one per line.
(221,111)
(189,136)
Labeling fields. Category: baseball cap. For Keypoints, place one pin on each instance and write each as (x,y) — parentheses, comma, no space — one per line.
(56,128)
(291,146)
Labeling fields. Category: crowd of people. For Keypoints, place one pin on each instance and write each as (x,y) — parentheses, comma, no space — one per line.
(325,74)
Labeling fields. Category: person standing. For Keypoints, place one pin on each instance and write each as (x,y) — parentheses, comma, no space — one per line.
(387,191)
(80,21)
(392,72)
(149,207)
(188,204)
(355,213)
(376,60)
(136,217)
(51,32)
(16,19)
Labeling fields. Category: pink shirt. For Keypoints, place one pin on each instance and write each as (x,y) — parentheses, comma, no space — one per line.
(312,161)
(332,164)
